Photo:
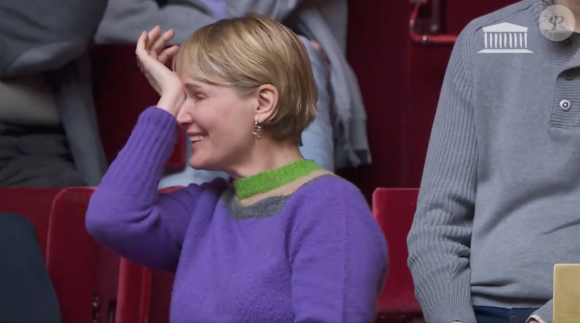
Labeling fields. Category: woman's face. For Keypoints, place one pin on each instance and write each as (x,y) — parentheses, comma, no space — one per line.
(219,124)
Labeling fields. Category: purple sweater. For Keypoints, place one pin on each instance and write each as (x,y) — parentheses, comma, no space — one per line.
(312,255)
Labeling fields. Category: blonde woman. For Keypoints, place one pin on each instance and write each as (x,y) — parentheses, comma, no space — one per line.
(286,241)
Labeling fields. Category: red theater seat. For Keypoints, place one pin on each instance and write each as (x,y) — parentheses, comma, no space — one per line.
(84,274)
(134,293)
(144,294)
(82,269)
(394,210)
(71,257)
(69,252)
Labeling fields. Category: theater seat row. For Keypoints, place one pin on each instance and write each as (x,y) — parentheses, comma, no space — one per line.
(70,254)
(95,285)
(92,283)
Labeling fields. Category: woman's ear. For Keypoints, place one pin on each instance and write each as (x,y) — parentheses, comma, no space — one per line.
(268,97)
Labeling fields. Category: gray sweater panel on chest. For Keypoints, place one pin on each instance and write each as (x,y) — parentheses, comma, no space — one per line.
(264,208)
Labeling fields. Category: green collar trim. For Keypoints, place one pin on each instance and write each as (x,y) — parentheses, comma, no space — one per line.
(272,179)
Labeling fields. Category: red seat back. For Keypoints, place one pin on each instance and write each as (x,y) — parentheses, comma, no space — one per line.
(144,294)
(134,293)
(79,267)
(71,257)
(394,210)
(70,253)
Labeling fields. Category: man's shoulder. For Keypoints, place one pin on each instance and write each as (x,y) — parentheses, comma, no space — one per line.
(506,30)
(520,12)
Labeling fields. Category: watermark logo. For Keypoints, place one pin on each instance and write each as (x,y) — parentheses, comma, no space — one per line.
(557,23)
(505,38)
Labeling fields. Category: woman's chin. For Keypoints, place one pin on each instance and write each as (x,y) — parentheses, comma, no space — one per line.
(197,164)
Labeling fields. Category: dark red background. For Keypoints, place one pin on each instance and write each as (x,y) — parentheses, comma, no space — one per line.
(400,82)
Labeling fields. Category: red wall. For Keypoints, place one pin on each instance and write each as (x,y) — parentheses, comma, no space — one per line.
(400,82)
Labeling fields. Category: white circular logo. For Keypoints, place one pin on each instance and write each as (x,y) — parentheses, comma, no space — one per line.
(557,23)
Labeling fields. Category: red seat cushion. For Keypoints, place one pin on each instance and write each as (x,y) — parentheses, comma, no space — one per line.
(71,256)
(394,210)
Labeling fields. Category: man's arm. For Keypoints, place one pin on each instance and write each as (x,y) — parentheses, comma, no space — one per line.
(439,240)
(544,314)
(124,20)
(44,35)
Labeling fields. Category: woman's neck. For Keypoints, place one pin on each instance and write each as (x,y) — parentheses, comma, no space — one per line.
(266,155)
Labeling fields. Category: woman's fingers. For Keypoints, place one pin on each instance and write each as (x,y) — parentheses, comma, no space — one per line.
(153,36)
(168,54)
(143,56)
(141,48)
(168,35)
(152,46)
(161,43)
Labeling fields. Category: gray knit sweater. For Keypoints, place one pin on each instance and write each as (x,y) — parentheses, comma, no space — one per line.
(499,203)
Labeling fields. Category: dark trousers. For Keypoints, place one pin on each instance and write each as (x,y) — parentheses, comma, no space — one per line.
(486,314)
(26,292)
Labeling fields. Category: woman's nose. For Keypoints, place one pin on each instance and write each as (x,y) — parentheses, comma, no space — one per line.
(184,118)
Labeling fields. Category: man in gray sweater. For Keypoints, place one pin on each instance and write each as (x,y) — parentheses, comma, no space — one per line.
(499,203)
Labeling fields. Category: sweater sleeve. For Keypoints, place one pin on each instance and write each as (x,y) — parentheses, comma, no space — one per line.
(545,314)
(124,20)
(338,256)
(127,214)
(439,239)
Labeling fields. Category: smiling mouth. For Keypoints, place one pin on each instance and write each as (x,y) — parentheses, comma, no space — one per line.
(196,138)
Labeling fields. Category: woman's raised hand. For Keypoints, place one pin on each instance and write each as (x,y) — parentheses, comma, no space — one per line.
(152,57)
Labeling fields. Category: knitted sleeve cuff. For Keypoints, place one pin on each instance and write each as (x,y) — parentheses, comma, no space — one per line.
(544,314)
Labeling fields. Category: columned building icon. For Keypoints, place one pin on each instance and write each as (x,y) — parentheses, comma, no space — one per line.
(505,38)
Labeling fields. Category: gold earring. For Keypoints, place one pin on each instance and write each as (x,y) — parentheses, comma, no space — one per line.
(257,130)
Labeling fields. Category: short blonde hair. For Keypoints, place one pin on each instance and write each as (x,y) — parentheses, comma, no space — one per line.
(251,51)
